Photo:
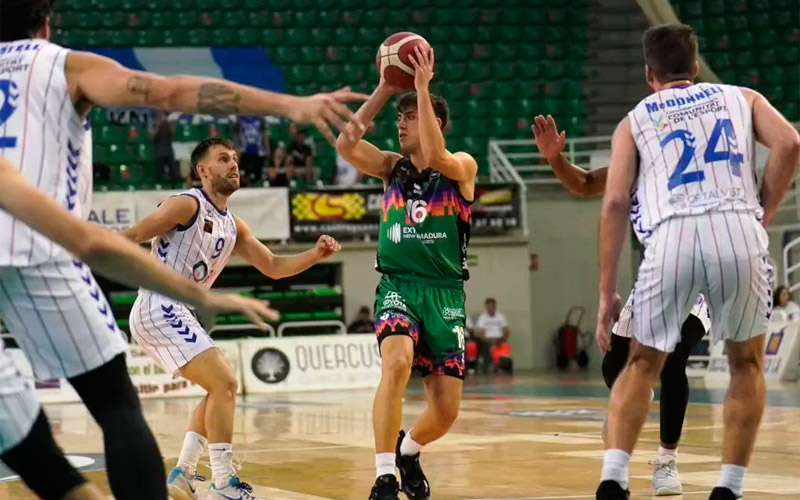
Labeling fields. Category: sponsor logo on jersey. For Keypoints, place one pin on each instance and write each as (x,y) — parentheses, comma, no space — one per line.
(394,233)
(208,226)
(394,300)
(200,271)
(451,313)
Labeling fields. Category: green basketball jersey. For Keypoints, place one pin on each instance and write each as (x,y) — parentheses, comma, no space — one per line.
(425,226)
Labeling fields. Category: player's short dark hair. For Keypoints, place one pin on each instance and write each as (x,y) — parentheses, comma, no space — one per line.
(20,19)
(670,50)
(408,101)
(490,300)
(199,151)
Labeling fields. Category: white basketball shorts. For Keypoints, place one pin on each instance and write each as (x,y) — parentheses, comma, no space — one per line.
(59,318)
(722,255)
(167,330)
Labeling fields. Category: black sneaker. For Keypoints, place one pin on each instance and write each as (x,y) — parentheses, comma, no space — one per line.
(611,490)
(385,488)
(722,493)
(412,480)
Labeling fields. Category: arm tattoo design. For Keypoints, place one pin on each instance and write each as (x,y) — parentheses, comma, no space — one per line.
(217,98)
(140,87)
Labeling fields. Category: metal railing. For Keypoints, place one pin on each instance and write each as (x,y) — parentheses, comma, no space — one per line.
(519,159)
(341,327)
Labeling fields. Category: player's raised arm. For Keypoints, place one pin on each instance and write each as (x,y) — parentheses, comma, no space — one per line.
(579,182)
(259,256)
(614,225)
(461,167)
(175,212)
(110,254)
(783,141)
(363,155)
(99,80)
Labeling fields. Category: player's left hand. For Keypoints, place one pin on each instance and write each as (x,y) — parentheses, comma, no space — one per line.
(607,313)
(328,110)
(549,141)
(423,62)
(327,246)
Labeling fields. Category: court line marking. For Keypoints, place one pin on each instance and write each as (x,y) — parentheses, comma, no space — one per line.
(564,497)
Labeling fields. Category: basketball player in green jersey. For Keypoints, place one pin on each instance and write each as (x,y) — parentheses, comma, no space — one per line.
(419,307)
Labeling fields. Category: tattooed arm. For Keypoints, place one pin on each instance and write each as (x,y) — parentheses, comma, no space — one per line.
(98,80)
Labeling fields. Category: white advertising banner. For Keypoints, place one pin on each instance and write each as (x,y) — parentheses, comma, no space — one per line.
(316,362)
(152,381)
(266,210)
(781,353)
(147,375)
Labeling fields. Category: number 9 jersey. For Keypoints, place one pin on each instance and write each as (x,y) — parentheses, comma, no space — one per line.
(696,155)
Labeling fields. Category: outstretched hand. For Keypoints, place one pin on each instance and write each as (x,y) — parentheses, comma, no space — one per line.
(326,110)
(549,141)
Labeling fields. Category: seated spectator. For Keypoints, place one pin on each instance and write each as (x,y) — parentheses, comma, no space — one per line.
(363,322)
(281,173)
(163,135)
(255,148)
(785,309)
(301,153)
(493,333)
(346,174)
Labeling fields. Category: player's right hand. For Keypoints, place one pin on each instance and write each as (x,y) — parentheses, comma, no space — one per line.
(327,109)
(257,311)
(607,313)
(549,141)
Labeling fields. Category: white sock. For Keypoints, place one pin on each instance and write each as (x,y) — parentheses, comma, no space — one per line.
(193,446)
(615,467)
(221,463)
(384,464)
(409,446)
(732,477)
(665,452)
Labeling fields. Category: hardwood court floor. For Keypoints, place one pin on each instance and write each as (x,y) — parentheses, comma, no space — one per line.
(529,436)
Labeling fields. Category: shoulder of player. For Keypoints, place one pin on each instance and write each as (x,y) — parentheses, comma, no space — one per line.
(182,209)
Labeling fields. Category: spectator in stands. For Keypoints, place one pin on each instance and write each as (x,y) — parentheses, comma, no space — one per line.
(301,153)
(785,308)
(255,147)
(491,330)
(363,322)
(281,172)
(346,174)
(163,135)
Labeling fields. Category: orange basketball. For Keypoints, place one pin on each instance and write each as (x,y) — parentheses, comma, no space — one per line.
(392,59)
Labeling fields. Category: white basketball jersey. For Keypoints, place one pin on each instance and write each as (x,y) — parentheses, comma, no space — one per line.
(200,250)
(41,134)
(696,155)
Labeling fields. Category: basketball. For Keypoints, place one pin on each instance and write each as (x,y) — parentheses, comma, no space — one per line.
(393,60)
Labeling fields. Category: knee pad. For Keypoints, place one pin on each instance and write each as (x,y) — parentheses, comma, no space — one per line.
(615,359)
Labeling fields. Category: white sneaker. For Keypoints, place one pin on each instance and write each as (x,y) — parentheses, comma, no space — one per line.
(665,476)
(234,490)
(181,485)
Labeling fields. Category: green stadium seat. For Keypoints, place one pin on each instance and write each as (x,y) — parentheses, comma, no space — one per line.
(248,37)
(148,38)
(185,19)
(300,74)
(175,38)
(306,19)
(478,71)
(761,21)
(126,5)
(199,37)
(312,55)
(273,37)
(224,37)
(375,18)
